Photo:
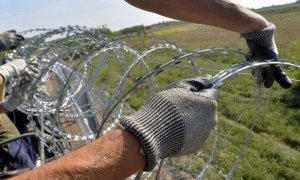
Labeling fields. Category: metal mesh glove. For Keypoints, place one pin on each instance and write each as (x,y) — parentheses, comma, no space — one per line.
(263,47)
(10,40)
(12,69)
(175,121)
(21,89)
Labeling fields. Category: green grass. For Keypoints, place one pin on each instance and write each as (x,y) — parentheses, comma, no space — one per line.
(274,149)
(280,9)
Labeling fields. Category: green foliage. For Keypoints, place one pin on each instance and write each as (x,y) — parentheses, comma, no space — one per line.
(292,98)
(141,29)
(105,30)
(163,24)
(274,149)
(280,9)
(296,88)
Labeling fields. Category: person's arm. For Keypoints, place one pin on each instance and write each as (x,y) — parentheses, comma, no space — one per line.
(113,156)
(257,31)
(219,13)
(173,122)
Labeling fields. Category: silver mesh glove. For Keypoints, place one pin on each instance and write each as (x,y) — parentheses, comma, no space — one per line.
(263,47)
(175,121)
(10,40)
(20,90)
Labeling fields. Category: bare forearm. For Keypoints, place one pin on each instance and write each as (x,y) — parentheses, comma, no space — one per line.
(219,13)
(114,156)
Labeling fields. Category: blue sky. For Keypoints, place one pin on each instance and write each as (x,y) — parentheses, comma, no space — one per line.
(116,14)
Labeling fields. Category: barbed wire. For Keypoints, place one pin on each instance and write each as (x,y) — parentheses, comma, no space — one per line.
(77,67)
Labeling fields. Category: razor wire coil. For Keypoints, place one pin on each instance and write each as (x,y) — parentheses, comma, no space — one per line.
(67,55)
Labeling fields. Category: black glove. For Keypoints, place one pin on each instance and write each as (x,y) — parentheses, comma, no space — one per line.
(202,85)
(10,40)
(263,47)
(175,121)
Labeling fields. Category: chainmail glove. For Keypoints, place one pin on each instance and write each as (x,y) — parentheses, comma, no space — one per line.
(21,89)
(175,121)
(263,47)
(10,40)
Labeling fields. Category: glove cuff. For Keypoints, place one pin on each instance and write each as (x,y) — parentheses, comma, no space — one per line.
(12,69)
(159,127)
(264,37)
(7,105)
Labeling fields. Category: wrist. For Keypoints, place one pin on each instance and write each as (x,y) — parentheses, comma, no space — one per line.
(11,103)
(264,32)
(152,125)
(262,37)
(2,79)
(124,148)
(7,106)
(258,23)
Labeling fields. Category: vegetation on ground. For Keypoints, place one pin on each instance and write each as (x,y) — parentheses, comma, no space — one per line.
(274,149)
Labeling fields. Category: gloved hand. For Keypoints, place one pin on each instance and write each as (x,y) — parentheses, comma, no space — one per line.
(10,40)
(20,90)
(12,69)
(263,47)
(175,121)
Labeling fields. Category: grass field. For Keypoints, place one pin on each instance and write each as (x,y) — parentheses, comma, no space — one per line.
(274,149)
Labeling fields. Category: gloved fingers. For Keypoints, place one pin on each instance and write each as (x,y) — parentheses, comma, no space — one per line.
(193,84)
(34,71)
(17,43)
(24,85)
(280,76)
(13,47)
(12,31)
(264,76)
(19,89)
(210,93)
(31,72)
(199,83)
(267,77)
(20,37)
(260,53)
(34,63)
(19,40)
